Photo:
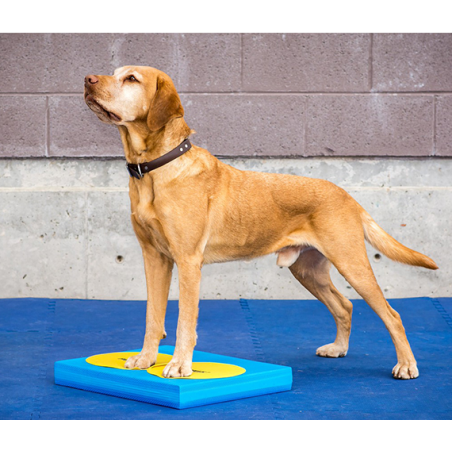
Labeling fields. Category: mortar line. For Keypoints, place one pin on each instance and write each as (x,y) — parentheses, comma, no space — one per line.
(435,100)
(58,189)
(47,128)
(241,62)
(361,158)
(261,93)
(41,94)
(371,62)
(316,93)
(304,118)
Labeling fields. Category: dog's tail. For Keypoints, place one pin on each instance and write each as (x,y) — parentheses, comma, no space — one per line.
(390,247)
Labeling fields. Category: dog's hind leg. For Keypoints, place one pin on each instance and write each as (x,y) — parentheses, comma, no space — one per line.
(347,252)
(359,274)
(312,270)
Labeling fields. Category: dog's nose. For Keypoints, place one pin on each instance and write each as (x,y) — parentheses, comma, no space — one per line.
(91,80)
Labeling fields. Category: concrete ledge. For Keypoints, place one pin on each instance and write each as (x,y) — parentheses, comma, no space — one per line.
(65,229)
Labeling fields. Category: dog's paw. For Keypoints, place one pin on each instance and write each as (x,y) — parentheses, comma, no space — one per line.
(177,369)
(331,351)
(405,371)
(140,361)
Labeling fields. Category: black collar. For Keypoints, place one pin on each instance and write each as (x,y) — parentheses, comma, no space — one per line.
(138,170)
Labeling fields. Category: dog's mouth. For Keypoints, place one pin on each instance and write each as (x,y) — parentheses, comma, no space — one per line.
(89,99)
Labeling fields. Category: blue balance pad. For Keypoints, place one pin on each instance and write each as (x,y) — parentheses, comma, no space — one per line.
(258,379)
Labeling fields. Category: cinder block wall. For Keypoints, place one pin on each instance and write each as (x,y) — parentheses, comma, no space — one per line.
(371,112)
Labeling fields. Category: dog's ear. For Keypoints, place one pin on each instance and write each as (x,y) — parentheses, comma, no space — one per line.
(165,105)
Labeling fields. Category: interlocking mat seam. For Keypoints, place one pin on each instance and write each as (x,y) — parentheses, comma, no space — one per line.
(254,333)
(43,372)
(439,307)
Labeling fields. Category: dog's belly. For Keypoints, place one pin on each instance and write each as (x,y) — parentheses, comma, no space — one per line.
(215,254)
(227,244)
(286,255)
(287,245)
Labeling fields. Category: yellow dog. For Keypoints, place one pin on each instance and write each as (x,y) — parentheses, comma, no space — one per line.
(195,210)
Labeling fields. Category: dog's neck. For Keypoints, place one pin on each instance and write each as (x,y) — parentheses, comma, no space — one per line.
(143,145)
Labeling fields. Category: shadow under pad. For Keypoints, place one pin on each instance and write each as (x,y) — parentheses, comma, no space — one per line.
(35,333)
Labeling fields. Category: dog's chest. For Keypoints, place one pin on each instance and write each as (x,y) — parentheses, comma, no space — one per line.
(149,218)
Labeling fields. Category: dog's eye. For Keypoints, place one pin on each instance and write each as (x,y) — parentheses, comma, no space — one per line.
(131,78)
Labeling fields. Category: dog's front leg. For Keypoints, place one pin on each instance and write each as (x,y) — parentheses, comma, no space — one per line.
(158,269)
(189,282)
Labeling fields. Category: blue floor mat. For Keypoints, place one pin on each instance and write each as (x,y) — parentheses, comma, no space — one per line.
(34,333)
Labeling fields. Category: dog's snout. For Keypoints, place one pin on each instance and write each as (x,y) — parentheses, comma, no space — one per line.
(91,80)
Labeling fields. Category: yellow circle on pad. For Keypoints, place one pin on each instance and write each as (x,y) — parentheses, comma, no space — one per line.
(203,371)
(117,360)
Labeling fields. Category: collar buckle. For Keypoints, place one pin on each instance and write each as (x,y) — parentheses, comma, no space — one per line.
(133,172)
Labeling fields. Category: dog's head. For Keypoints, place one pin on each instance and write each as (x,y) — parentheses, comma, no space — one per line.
(133,94)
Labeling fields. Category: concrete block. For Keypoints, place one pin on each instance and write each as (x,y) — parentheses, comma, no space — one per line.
(369,125)
(147,49)
(412,62)
(73,56)
(444,126)
(75,131)
(24,58)
(247,125)
(43,244)
(306,62)
(205,62)
(52,62)
(209,62)
(23,126)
